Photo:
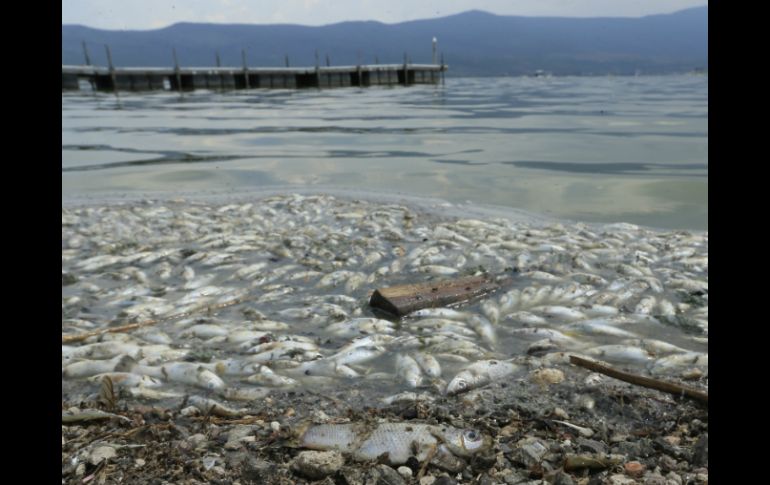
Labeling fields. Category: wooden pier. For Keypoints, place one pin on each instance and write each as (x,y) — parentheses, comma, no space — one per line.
(224,78)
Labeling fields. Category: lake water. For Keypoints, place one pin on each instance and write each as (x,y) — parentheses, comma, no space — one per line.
(609,149)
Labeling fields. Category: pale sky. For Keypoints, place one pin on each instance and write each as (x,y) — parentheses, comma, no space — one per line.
(153,14)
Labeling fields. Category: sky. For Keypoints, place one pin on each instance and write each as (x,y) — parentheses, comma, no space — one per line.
(153,14)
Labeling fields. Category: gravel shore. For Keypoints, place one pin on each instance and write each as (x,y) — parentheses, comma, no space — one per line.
(584,430)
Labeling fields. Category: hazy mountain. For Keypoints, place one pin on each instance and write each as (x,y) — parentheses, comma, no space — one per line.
(473,43)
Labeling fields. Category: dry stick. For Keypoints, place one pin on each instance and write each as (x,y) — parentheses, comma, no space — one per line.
(65,339)
(664,386)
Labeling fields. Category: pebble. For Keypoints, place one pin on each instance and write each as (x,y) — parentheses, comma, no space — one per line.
(101,453)
(560,413)
(528,452)
(405,472)
(674,478)
(654,480)
(619,479)
(545,377)
(388,476)
(427,480)
(197,440)
(316,465)
(563,478)
(634,469)
(445,481)
(700,452)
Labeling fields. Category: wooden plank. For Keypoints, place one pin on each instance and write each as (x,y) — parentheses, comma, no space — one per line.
(402,299)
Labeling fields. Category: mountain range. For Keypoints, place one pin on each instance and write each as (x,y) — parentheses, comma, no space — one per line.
(473,43)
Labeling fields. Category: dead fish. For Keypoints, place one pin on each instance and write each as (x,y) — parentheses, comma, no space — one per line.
(561,313)
(359,326)
(621,353)
(244,393)
(408,370)
(480,374)
(88,368)
(127,380)
(266,377)
(484,329)
(447,313)
(428,364)
(396,441)
(210,406)
(191,373)
(407,396)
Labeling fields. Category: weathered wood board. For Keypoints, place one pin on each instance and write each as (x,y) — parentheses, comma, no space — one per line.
(402,299)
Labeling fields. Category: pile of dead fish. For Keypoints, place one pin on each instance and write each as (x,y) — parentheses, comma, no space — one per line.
(273,293)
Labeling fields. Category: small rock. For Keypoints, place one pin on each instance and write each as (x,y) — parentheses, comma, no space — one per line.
(655,480)
(666,463)
(445,481)
(563,478)
(80,470)
(513,477)
(405,472)
(233,445)
(275,426)
(209,462)
(238,432)
(316,465)
(218,469)
(190,411)
(673,478)
(634,469)
(560,413)
(585,402)
(427,480)
(593,380)
(353,475)
(101,453)
(545,377)
(700,452)
(139,462)
(196,440)
(592,446)
(673,440)
(318,416)
(252,469)
(388,476)
(529,451)
(619,479)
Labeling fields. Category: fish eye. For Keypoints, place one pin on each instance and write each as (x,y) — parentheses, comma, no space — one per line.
(472,435)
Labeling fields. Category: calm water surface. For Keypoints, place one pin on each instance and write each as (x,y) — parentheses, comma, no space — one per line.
(610,149)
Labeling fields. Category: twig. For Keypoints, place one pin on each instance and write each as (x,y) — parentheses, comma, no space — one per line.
(65,339)
(431,453)
(669,387)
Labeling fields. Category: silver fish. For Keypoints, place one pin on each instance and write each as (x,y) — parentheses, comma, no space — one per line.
(480,374)
(396,441)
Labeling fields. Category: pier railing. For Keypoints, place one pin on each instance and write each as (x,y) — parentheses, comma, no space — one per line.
(223,78)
